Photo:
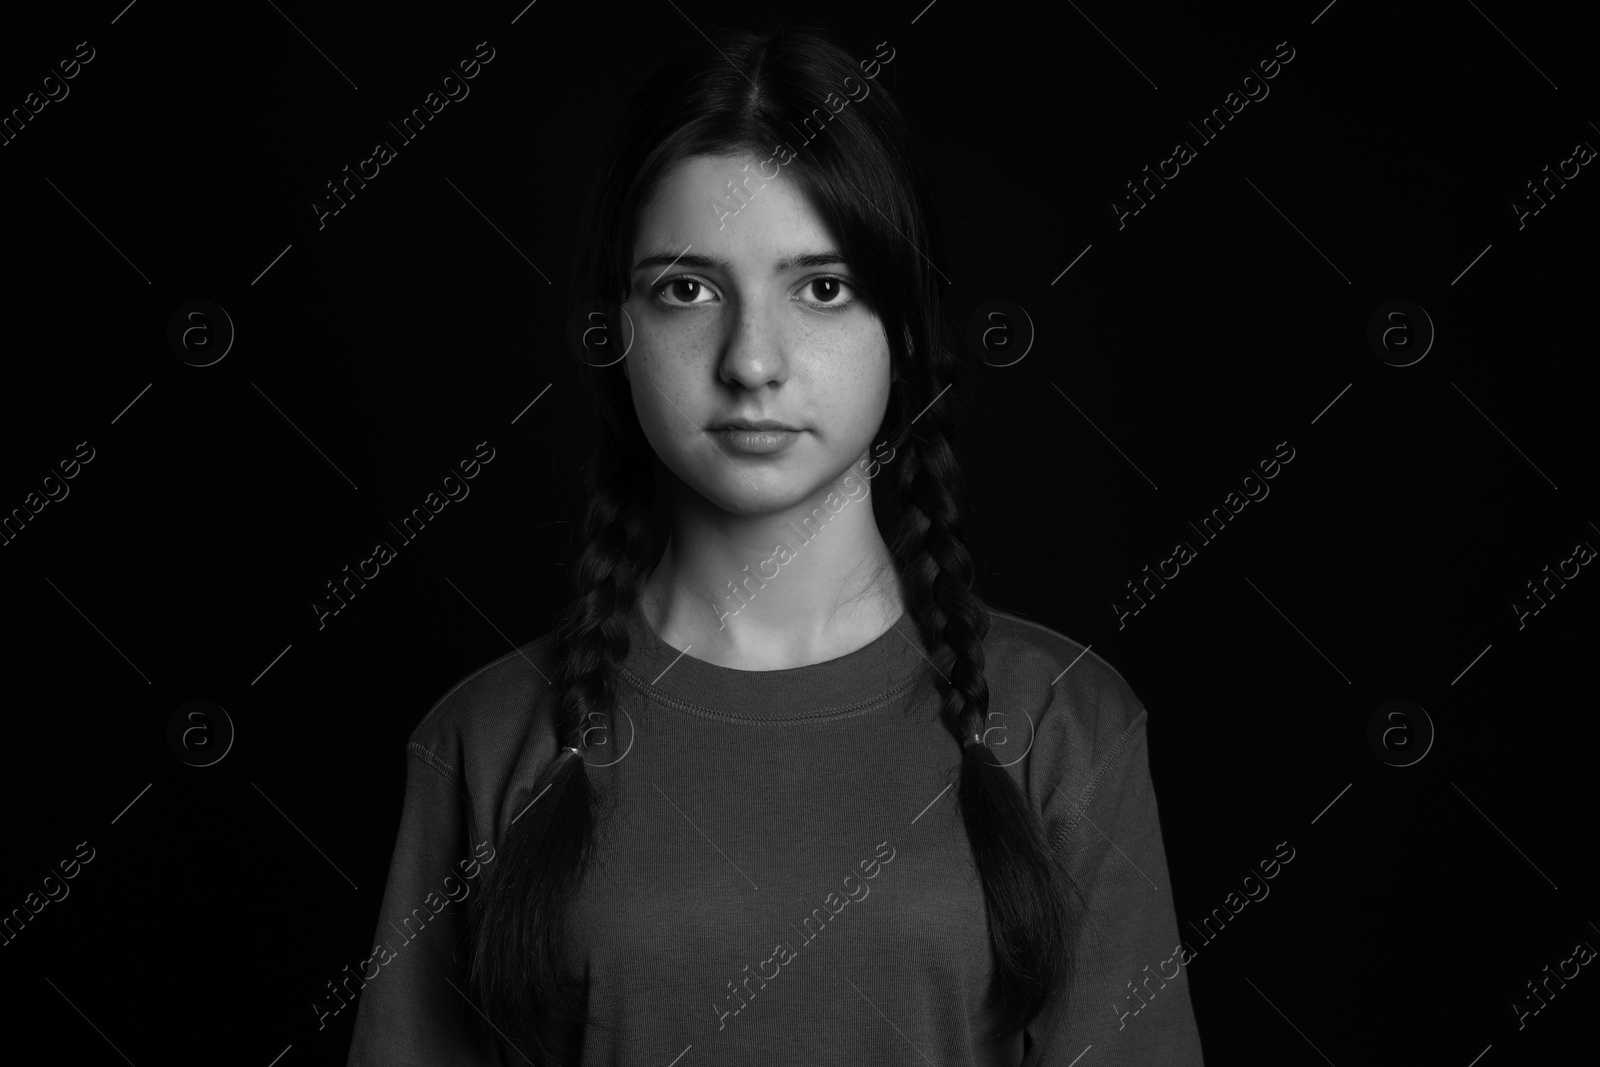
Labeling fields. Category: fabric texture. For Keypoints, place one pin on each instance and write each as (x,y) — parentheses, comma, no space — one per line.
(783,875)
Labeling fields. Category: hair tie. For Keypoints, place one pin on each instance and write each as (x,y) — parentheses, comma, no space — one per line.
(976,740)
(575,751)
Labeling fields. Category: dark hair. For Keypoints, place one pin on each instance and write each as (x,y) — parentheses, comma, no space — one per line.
(747,92)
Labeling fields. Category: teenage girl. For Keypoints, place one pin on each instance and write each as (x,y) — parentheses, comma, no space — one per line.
(779,787)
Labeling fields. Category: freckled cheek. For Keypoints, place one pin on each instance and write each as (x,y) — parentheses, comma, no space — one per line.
(858,368)
(663,372)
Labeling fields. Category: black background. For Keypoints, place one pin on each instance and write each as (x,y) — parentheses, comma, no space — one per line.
(1225,317)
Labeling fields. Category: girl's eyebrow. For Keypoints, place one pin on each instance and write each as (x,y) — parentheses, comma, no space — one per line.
(788,263)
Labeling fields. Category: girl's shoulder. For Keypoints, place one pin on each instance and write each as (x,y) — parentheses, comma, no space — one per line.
(494,709)
(1030,665)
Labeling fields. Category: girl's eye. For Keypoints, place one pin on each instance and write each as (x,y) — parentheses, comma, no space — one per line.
(823,293)
(681,292)
(827,291)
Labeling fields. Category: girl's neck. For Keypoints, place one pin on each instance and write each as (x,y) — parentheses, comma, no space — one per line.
(774,592)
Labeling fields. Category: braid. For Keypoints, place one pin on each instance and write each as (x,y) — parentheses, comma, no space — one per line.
(738,96)
(517,966)
(1023,885)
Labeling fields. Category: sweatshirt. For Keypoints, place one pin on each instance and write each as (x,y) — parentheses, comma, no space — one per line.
(782,872)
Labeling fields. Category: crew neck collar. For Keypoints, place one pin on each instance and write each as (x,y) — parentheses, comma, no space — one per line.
(852,684)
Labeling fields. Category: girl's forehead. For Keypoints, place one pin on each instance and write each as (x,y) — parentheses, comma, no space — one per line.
(714,206)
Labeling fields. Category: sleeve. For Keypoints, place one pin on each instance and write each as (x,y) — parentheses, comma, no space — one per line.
(413,1009)
(1129,997)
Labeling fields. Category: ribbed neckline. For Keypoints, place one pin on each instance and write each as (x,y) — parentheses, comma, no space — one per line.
(852,684)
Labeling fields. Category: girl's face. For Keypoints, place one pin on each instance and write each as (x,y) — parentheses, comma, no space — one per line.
(749,316)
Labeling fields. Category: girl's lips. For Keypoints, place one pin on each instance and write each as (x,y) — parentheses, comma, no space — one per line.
(756,442)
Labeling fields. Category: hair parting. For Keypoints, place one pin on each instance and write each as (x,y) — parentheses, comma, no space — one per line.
(746,92)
